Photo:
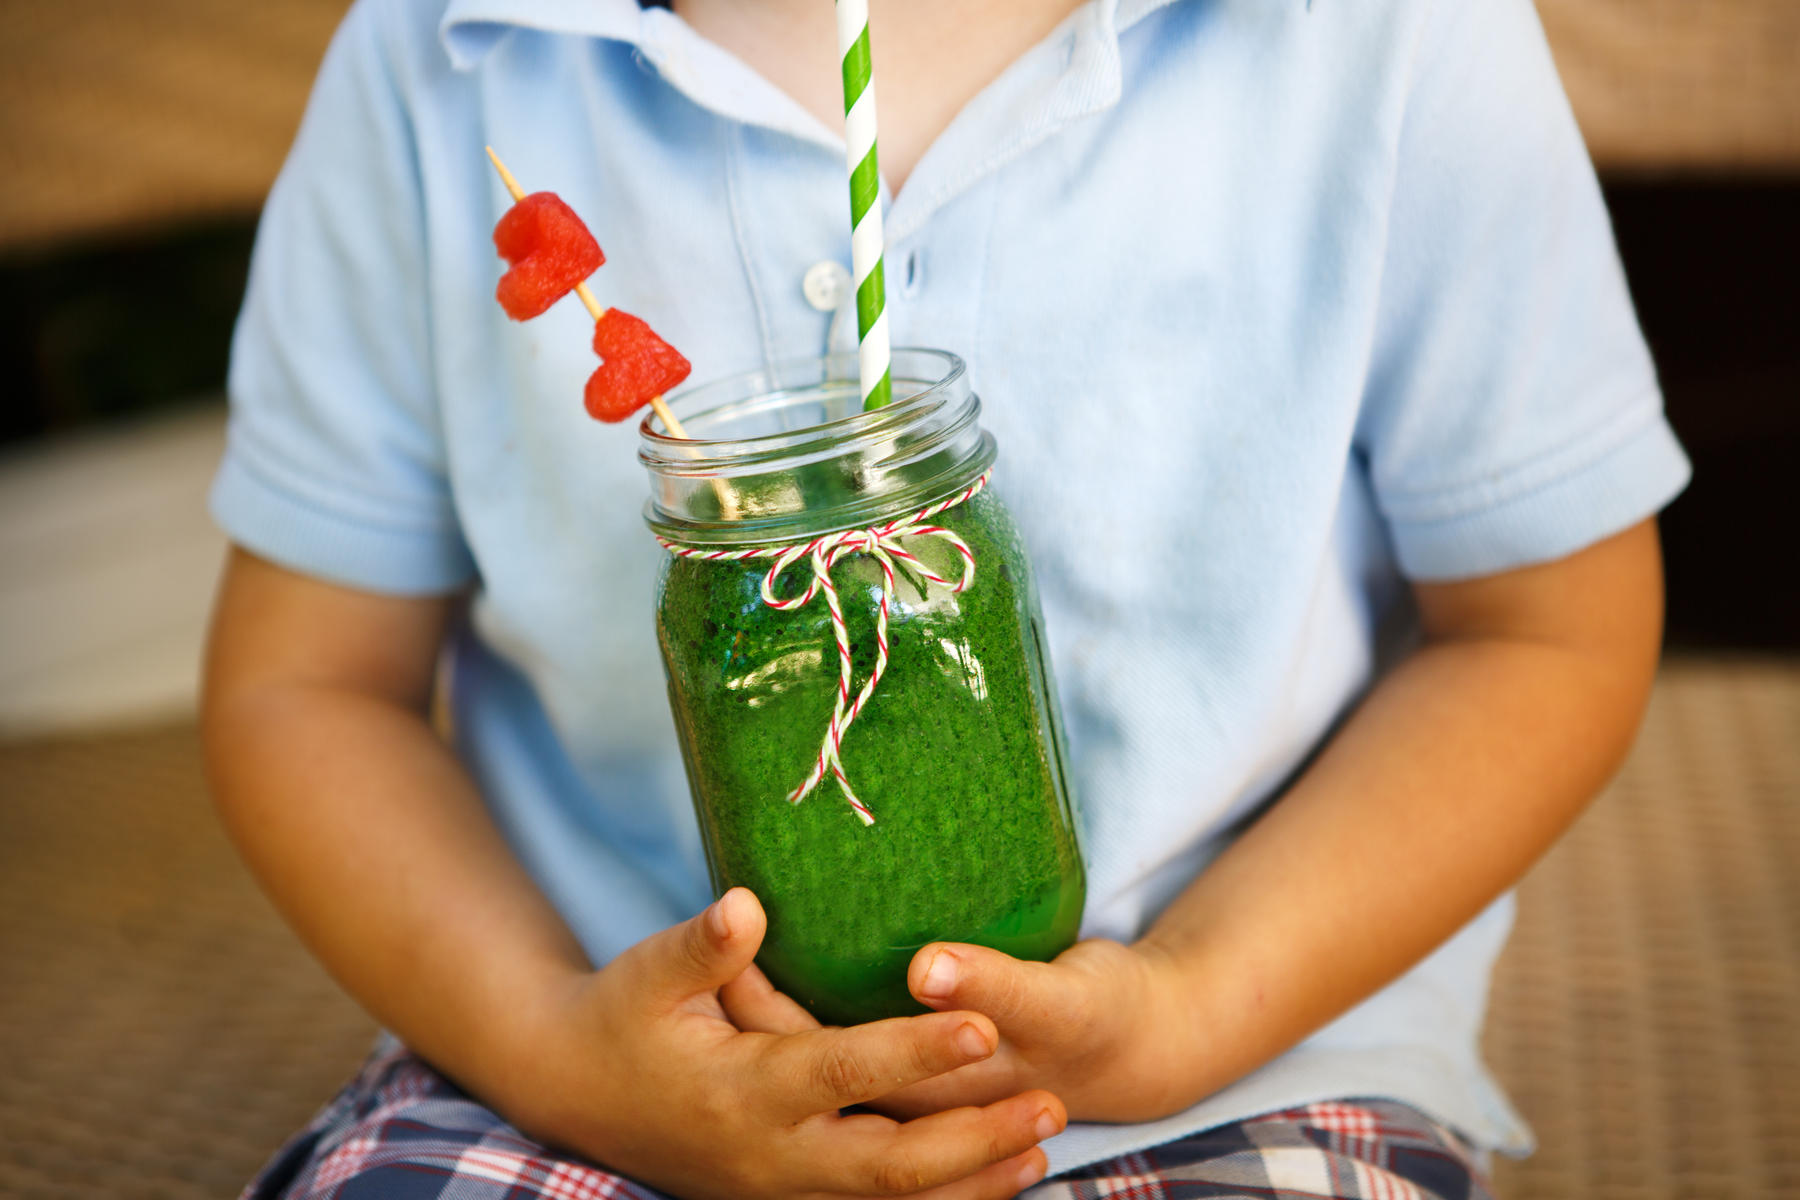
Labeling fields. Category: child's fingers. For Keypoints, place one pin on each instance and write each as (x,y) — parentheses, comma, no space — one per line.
(946,1152)
(978,1083)
(1023,998)
(754,1005)
(826,1069)
(1002,1181)
(702,953)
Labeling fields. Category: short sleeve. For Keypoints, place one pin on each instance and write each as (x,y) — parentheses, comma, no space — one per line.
(335,463)
(1512,413)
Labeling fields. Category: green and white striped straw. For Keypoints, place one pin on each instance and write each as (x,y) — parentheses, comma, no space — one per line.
(865,202)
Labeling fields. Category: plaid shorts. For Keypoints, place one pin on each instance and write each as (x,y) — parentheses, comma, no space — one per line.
(401,1131)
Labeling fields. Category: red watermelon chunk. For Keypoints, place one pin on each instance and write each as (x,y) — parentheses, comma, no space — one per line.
(550,251)
(638,366)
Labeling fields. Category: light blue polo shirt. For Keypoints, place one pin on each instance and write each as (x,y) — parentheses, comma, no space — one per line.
(1272,305)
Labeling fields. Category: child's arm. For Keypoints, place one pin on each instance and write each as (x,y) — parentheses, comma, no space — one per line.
(376,846)
(1457,771)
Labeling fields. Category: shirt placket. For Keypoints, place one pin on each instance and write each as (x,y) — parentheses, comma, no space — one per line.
(787,193)
(790,206)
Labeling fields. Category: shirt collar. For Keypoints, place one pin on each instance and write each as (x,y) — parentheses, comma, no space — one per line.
(1074,73)
(706,74)
(470,28)
(1129,12)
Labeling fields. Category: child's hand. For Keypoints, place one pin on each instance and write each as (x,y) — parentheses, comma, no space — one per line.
(639,1068)
(1106,1027)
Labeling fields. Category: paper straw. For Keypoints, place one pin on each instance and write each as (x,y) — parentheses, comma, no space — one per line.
(865,202)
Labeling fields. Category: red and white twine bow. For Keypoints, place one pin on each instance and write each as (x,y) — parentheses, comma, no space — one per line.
(883,544)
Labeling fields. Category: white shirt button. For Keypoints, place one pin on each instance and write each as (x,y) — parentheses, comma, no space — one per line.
(826,286)
(912,276)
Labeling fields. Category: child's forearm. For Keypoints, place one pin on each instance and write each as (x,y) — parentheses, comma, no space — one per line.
(363,827)
(1458,770)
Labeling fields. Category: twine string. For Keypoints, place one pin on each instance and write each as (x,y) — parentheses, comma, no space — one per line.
(884,544)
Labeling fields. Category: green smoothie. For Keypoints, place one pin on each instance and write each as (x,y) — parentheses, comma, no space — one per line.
(958,755)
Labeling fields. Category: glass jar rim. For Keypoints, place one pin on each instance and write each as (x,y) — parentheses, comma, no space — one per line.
(658,447)
(763,481)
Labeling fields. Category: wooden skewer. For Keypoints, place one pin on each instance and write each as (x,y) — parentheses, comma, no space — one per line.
(594,307)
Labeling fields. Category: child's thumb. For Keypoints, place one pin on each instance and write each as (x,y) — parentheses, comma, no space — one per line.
(710,949)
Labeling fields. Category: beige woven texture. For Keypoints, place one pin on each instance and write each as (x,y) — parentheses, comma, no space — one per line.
(117,114)
(1670,84)
(121,113)
(161,1032)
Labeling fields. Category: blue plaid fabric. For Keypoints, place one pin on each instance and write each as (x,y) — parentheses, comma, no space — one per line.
(1344,1150)
(401,1131)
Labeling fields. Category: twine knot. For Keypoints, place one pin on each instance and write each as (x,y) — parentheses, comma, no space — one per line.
(884,544)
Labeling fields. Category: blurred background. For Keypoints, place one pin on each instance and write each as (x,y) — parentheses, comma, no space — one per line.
(160,1032)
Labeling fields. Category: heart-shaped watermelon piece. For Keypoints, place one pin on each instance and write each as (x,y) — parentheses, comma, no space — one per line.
(638,367)
(550,251)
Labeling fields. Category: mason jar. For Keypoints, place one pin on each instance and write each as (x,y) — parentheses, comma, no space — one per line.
(857,673)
